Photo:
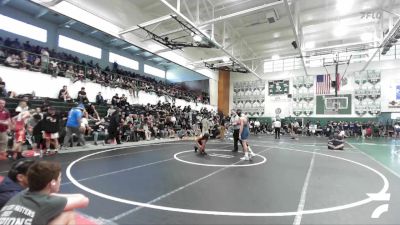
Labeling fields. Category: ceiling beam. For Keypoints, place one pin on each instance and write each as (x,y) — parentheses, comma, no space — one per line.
(233,58)
(69,22)
(240,13)
(91,32)
(145,24)
(296,36)
(41,13)
(384,42)
(188,10)
(4,2)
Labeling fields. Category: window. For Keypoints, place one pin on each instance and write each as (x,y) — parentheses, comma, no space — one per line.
(154,71)
(278,65)
(123,61)
(288,64)
(77,46)
(268,66)
(23,29)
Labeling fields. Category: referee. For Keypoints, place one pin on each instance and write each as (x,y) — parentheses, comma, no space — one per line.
(235,122)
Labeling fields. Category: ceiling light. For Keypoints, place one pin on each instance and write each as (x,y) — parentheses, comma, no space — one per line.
(309,45)
(197,38)
(340,30)
(344,6)
(366,37)
(226,59)
(276,35)
(275,57)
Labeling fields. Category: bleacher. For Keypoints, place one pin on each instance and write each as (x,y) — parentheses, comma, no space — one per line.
(59,105)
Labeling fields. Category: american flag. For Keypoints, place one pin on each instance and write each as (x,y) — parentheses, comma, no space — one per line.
(323,84)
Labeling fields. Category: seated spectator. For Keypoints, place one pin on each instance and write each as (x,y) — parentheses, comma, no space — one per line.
(99,99)
(64,94)
(123,101)
(41,203)
(115,100)
(24,63)
(82,97)
(80,76)
(12,61)
(70,73)
(15,181)
(36,65)
(99,129)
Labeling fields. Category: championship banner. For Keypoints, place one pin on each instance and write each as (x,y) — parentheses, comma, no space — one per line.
(249,96)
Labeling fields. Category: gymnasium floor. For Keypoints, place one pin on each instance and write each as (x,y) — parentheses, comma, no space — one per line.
(288,182)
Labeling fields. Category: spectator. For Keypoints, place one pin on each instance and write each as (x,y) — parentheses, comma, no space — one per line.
(41,203)
(3,91)
(73,125)
(15,181)
(70,73)
(64,94)
(51,126)
(22,107)
(82,97)
(115,100)
(99,99)
(12,61)
(113,128)
(4,125)
(45,57)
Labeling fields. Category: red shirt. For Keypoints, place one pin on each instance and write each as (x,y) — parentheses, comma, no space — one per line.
(4,115)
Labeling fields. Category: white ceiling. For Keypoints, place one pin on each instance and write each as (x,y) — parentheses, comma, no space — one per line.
(320,24)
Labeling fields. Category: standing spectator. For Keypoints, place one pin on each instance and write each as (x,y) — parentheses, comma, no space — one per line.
(4,124)
(277,127)
(15,182)
(50,126)
(113,128)
(41,203)
(22,107)
(73,125)
(3,91)
(99,99)
(45,57)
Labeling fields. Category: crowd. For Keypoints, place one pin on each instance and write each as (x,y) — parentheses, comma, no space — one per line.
(356,129)
(37,58)
(48,129)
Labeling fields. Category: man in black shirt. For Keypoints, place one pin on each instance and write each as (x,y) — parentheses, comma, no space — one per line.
(99,99)
(51,126)
(63,94)
(115,100)
(82,98)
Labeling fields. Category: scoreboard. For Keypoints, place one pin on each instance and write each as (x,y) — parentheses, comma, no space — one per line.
(278,87)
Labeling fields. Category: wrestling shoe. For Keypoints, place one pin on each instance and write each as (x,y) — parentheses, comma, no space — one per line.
(245,158)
